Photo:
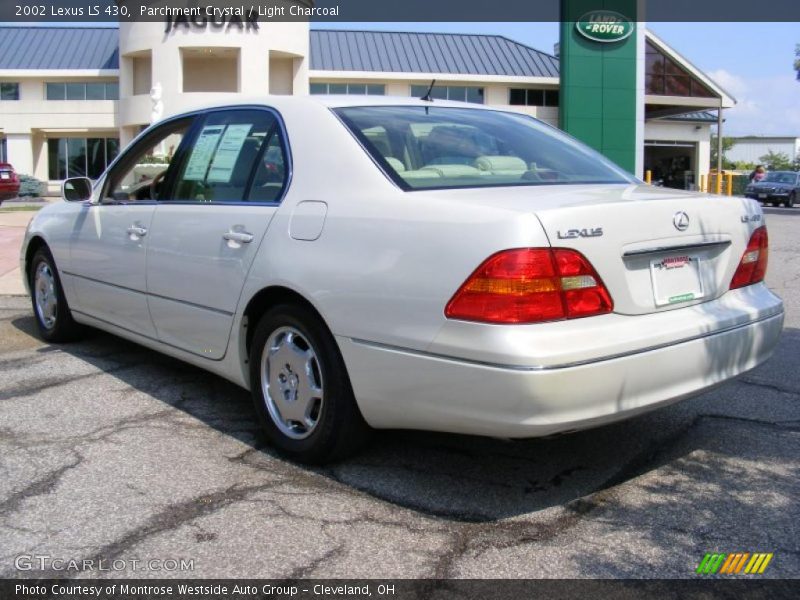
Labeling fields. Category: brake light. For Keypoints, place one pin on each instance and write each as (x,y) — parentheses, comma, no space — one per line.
(753,266)
(530,285)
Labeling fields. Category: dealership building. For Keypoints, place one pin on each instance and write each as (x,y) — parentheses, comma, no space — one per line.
(72,97)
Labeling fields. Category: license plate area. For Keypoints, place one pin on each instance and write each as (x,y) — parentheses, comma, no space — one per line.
(762,195)
(5,175)
(676,279)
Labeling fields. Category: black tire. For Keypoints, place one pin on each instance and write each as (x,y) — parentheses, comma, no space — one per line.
(791,200)
(338,428)
(62,327)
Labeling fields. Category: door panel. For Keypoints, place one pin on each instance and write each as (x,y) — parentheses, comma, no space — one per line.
(206,234)
(195,275)
(108,247)
(107,256)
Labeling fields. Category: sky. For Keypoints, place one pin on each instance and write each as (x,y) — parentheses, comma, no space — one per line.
(751,61)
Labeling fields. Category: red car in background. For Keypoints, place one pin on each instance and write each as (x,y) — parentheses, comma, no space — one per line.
(9,182)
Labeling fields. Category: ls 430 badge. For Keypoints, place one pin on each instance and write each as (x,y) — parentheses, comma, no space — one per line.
(576,233)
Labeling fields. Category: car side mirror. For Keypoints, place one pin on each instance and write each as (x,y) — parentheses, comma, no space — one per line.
(76,189)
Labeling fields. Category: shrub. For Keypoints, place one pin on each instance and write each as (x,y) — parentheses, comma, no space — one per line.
(30,186)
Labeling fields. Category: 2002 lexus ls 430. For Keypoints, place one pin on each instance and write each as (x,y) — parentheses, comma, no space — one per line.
(370,262)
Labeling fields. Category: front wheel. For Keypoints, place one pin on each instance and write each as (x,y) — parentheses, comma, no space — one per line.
(53,317)
(301,389)
(791,200)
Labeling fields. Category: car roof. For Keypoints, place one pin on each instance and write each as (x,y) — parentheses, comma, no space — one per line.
(327,101)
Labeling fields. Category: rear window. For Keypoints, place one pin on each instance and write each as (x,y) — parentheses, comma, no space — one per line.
(423,147)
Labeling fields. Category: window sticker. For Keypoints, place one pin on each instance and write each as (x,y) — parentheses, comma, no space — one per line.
(228,152)
(202,152)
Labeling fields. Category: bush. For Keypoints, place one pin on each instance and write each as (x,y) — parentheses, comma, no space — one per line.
(30,186)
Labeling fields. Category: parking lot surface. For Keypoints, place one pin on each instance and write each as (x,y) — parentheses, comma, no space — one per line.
(110,451)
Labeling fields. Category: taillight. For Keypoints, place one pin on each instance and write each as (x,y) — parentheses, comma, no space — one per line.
(529,285)
(753,266)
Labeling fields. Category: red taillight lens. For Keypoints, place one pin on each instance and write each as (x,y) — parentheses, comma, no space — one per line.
(753,266)
(529,285)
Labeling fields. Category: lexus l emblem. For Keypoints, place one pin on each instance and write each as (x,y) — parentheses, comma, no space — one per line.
(681,221)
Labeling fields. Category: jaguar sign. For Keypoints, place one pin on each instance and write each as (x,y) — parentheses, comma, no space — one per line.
(604,26)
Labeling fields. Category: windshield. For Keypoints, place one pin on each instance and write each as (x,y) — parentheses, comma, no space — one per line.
(780,177)
(433,147)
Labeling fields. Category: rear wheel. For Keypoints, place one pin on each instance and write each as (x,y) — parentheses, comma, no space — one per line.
(301,389)
(53,317)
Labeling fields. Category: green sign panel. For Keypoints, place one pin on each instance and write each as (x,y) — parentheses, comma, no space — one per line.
(604,26)
(601,102)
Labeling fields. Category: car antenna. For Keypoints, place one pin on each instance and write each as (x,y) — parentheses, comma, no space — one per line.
(427,96)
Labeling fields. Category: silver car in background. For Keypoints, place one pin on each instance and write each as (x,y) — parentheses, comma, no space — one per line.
(361,263)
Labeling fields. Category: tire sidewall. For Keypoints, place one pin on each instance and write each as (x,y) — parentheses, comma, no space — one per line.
(338,400)
(62,328)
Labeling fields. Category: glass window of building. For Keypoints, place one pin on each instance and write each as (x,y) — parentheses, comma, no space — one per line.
(531,97)
(9,91)
(458,93)
(82,90)
(80,157)
(665,77)
(370,89)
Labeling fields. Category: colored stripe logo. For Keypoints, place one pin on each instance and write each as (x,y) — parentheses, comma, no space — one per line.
(738,563)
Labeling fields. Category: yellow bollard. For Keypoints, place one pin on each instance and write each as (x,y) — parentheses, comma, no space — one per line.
(648,177)
(729,186)
(703,187)
(718,182)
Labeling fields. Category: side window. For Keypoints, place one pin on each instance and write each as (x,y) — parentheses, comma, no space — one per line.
(141,172)
(233,151)
(271,171)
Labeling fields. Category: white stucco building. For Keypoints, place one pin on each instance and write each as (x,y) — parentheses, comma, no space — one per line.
(71,97)
(751,148)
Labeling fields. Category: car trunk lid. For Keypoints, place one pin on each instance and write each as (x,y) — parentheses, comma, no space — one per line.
(655,249)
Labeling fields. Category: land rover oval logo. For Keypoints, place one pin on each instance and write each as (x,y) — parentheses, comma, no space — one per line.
(604,26)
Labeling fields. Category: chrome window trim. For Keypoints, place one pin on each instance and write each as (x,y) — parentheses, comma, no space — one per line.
(200,113)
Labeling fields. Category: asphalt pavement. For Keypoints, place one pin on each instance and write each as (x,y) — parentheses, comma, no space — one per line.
(111,452)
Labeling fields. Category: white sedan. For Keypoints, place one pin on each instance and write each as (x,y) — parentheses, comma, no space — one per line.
(363,263)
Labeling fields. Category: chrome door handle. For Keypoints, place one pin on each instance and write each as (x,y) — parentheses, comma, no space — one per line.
(238,236)
(136,230)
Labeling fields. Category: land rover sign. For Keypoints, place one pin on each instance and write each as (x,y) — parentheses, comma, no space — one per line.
(604,26)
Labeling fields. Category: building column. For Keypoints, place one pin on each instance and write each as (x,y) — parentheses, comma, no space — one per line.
(20,152)
(253,71)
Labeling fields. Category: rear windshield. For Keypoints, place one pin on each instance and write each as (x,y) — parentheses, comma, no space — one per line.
(433,147)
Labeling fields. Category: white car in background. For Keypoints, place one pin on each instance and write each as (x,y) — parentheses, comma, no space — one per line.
(373,262)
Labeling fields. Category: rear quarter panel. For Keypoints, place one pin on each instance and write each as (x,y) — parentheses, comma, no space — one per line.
(387,261)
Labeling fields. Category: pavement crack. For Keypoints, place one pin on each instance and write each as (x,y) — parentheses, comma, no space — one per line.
(52,382)
(39,487)
(768,386)
(306,570)
(170,518)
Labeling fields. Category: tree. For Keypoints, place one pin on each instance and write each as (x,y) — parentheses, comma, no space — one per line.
(727,144)
(776,161)
(797,60)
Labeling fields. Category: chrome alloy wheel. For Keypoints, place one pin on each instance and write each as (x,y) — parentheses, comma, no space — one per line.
(44,289)
(291,380)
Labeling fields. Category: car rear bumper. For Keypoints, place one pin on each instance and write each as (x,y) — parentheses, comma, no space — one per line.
(398,388)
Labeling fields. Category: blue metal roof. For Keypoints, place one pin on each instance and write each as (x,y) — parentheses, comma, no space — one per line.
(59,48)
(699,116)
(406,52)
(390,51)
